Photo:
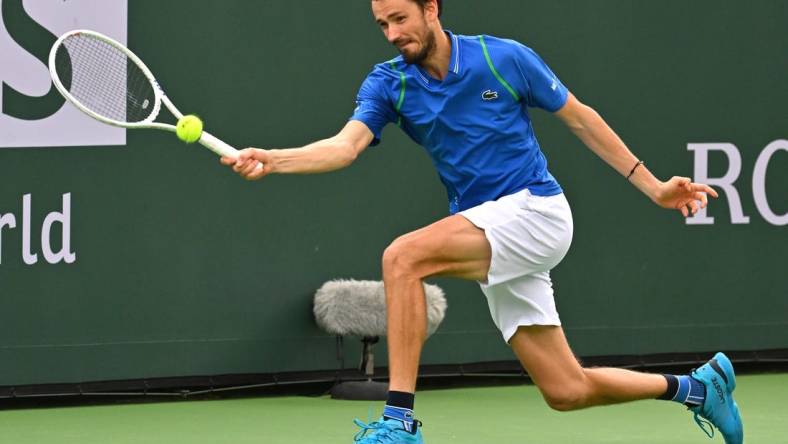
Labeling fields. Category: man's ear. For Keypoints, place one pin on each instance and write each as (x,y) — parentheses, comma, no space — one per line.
(431,10)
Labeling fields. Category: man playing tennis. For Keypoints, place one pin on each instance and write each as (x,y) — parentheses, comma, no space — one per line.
(465,99)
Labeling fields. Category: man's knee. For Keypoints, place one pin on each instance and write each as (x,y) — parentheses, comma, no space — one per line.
(572,396)
(399,259)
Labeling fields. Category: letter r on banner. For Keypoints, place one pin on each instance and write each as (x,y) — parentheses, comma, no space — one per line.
(701,175)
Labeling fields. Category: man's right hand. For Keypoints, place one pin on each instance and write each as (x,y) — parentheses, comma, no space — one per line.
(248,161)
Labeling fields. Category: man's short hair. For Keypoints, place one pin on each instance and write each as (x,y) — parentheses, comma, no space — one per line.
(421,3)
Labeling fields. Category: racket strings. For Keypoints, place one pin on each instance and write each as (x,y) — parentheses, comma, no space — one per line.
(104,80)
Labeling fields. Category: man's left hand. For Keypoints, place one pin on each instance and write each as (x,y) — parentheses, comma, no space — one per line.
(682,194)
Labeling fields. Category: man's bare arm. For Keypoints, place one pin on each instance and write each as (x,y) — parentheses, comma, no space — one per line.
(321,156)
(678,193)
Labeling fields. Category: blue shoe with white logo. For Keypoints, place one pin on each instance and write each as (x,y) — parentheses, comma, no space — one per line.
(387,431)
(719,408)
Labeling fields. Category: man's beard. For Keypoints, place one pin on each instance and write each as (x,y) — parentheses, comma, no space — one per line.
(426,50)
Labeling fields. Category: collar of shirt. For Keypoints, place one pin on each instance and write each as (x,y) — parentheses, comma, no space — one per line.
(454,62)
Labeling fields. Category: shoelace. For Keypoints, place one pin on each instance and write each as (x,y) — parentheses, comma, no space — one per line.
(702,423)
(381,438)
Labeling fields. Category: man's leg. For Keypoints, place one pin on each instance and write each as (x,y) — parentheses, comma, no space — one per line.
(450,247)
(565,384)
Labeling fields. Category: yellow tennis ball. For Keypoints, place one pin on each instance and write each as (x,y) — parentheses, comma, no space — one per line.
(189,128)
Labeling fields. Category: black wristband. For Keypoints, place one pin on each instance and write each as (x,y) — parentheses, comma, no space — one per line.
(640,162)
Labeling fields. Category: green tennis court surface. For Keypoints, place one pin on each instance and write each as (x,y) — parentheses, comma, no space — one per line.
(499,415)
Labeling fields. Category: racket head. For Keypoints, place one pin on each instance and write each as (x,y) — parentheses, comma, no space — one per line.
(105,80)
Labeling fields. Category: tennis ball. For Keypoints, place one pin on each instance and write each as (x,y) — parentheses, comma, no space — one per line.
(189,128)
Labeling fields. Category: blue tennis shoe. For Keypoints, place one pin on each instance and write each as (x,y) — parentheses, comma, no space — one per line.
(387,431)
(719,408)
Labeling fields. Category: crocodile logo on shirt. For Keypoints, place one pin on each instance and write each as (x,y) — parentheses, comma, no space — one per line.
(489,95)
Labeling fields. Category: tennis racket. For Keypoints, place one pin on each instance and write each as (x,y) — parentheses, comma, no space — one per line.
(108,82)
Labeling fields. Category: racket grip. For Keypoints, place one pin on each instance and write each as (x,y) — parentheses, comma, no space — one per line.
(217,146)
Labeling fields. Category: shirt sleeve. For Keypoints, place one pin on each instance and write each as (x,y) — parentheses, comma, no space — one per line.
(543,89)
(373,108)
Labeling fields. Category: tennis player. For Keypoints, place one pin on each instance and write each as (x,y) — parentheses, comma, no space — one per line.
(466,100)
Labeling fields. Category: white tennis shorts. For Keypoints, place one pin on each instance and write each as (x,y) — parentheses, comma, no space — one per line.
(529,235)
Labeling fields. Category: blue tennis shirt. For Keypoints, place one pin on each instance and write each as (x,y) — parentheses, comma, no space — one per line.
(474,123)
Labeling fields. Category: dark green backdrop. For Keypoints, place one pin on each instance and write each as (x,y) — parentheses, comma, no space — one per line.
(185,269)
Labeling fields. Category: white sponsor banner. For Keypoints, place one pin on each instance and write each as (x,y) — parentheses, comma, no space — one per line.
(25,73)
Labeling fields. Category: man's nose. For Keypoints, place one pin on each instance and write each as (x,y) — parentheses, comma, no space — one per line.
(393,34)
